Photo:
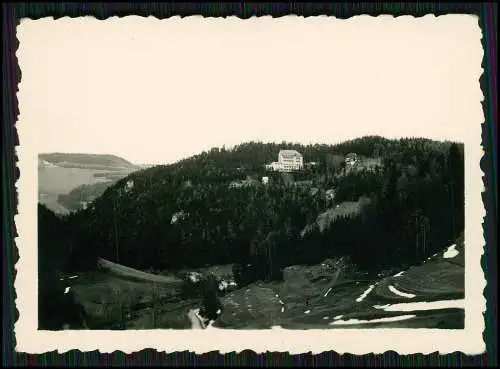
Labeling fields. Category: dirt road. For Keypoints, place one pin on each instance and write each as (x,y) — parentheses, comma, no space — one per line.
(196,323)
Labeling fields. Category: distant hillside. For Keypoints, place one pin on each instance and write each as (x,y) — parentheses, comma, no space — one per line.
(61,173)
(94,161)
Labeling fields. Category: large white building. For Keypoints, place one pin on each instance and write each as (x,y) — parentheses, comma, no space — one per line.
(288,161)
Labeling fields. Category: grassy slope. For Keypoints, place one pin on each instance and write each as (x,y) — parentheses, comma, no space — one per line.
(126,272)
(257,306)
(325,219)
(103,294)
(262,305)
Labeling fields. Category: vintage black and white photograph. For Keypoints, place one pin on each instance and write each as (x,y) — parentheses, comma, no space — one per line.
(241,175)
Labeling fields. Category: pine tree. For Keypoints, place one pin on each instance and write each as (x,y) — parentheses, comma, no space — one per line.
(456,183)
(211,301)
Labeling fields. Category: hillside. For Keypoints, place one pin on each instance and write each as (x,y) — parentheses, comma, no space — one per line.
(221,224)
(330,294)
(215,209)
(427,295)
(91,161)
(77,178)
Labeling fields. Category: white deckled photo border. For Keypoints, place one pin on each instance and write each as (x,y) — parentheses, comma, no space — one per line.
(354,341)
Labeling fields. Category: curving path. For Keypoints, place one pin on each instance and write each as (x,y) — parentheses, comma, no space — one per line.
(196,322)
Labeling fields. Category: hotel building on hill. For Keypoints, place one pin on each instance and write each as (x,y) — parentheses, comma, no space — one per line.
(288,161)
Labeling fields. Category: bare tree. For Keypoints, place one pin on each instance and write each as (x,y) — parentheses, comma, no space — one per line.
(422,228)
(116,232)
(155,297)
(105,310)
(123,298)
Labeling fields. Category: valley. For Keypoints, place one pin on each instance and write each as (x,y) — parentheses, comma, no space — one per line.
(429,295)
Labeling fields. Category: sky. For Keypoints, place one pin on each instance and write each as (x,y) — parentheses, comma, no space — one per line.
(155,91)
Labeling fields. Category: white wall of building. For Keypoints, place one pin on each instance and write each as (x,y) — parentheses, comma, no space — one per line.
(290,160)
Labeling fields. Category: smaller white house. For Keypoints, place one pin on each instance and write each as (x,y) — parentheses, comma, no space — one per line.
(177,217)
(265,180)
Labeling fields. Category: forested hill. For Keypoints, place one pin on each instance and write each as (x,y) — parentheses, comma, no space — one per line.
(250,157)
(187,214)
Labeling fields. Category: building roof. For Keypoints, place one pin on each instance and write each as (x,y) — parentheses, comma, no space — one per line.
(290,153)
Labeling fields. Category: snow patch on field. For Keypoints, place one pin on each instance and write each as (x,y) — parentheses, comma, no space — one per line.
(399,293)
(327,292)
(364,294)
(424,305)
(399,274)
(380,320)
(451,252)
(67,290)
(381,306)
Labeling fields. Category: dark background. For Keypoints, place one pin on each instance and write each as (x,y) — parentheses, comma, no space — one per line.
(12,12)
